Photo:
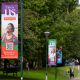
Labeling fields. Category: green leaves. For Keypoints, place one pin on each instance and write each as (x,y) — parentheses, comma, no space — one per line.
(57,16)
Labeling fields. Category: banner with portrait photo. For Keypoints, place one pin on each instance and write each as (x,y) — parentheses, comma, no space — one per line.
(9,30)
(59,56)
(52,52)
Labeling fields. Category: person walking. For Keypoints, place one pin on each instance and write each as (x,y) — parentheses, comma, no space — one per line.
(71,73)
(27,65)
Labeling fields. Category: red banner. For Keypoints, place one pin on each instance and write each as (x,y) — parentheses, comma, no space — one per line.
(9,30)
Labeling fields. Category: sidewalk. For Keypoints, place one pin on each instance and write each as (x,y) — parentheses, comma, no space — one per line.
(78,78)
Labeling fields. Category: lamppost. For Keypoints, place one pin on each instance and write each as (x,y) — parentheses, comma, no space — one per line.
(46,34)
(21,59)
(78,7)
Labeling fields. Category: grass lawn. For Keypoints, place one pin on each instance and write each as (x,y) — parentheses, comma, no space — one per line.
(53,74)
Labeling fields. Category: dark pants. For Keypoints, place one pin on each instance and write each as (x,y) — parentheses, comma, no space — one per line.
(71,75)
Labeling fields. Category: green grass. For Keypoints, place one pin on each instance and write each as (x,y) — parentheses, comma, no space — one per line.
(53,74)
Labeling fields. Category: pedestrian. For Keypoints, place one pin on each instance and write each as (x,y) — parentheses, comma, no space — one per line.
(27,65)
(34,64)
(71,73)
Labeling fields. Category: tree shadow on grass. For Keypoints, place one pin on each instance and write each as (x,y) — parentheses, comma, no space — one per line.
(8,77)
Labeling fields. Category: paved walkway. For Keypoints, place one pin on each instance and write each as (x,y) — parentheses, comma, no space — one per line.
(78,78)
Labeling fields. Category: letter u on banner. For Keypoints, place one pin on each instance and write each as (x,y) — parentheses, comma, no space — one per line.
(9,30)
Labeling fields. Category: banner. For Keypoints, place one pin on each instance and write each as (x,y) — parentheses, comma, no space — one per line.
(59,56)
(9,30)
(52,52)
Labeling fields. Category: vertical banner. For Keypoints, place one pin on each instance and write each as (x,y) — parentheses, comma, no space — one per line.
(9,30)
(59,56)
(52,52)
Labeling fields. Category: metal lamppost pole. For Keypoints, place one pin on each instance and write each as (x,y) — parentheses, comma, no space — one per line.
(78,7)
(46,34)
(21,58)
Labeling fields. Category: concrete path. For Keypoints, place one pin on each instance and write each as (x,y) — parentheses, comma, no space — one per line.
(78,78)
